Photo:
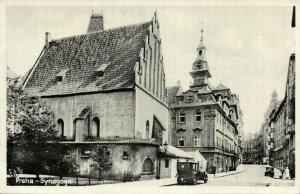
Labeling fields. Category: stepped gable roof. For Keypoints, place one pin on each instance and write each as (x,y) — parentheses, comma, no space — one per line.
(172,92)
(221,87)
(82,55)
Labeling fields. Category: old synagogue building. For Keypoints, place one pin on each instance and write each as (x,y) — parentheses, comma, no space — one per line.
(107,87)
(206,118)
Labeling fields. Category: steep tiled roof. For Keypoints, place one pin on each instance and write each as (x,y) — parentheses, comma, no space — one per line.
(221,87)
(82,55)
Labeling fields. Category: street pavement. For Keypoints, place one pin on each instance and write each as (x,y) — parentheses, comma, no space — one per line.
(252,175)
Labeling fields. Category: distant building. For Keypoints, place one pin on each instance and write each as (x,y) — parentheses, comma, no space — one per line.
(253,149)
(206,119)
(107,87)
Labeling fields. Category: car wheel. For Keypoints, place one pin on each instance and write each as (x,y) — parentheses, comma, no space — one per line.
(205,179)
(179,181)
(194,181)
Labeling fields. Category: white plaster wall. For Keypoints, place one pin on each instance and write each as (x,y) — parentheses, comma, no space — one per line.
(115,110)
(146,108)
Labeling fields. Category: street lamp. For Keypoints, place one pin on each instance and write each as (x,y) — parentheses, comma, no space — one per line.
(165,146)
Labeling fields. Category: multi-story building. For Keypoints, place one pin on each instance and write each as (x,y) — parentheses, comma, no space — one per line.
(107,87)
(278,125)
(205,118)
(248,152)
(282,123)
(253,151)
(290,115)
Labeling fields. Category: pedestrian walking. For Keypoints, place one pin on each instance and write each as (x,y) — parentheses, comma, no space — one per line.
(214,169)
(286,174)
(226,168)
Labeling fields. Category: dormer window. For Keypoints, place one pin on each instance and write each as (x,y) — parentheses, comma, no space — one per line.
(101,69)
(61,75)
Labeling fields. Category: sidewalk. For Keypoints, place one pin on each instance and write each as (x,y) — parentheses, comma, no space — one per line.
(239,169)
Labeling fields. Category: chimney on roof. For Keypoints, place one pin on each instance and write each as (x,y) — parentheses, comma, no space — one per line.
(47,39)
(96,22)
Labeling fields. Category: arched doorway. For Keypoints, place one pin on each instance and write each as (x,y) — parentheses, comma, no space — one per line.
(148,166)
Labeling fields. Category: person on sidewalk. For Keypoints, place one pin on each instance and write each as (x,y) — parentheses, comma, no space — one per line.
(286,174)
(214,170)
(226,168)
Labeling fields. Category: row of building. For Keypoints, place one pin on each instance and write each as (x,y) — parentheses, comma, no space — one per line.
(275,143)
(108,87)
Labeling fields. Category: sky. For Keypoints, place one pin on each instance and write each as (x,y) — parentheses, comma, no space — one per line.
(248,47)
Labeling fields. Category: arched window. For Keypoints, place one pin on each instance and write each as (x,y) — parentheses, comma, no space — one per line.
(74,129)
(147,130)
(95,127)
(148,166)
(60,127)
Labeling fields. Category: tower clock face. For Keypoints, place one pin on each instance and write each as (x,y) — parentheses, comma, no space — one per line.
(198,65)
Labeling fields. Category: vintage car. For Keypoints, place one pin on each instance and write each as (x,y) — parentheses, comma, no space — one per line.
(188,172)
(269,171)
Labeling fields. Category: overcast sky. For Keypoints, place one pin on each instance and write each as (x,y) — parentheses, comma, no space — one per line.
(248,48)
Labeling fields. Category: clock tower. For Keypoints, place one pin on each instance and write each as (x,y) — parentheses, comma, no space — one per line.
(200,71)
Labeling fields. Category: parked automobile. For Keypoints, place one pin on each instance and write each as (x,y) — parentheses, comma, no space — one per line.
(189,172)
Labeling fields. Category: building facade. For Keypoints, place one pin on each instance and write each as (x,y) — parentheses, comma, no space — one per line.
(107,87)
(206,119)
(253,150)
(290,115)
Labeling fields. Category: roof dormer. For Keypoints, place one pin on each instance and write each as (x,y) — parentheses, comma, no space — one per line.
(61,75)
(101,69)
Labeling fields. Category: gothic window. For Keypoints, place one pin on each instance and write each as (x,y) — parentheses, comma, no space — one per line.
(197,141)
(95,127)
(60,127)
(147,129)
(148,166)
(181,141)
(182,118)
(198,115)
(74,129)
(200,52)
(150,68)
(145,76)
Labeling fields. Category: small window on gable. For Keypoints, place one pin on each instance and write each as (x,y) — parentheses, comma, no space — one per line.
(61,75)
(101,69)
